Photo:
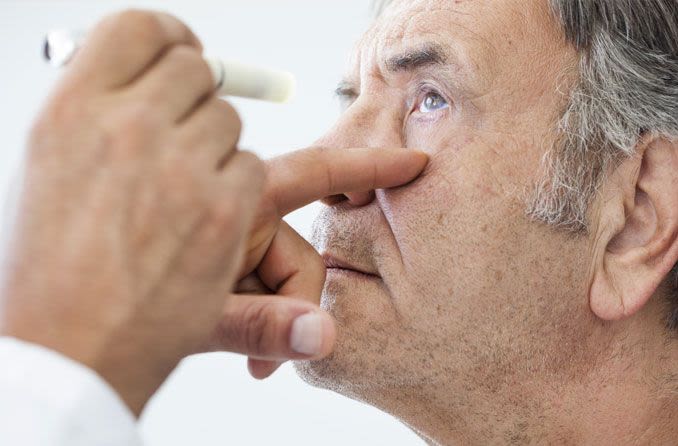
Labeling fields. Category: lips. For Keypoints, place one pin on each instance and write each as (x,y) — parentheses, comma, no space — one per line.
(332,262)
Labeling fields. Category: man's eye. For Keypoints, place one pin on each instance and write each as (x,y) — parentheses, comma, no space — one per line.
(432,102)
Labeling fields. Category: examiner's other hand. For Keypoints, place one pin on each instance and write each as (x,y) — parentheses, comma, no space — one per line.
(275,314)
(135,207)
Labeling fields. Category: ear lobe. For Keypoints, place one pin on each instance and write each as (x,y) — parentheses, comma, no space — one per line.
(637,237)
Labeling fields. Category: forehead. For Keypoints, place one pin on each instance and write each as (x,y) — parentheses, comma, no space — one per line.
(483,36)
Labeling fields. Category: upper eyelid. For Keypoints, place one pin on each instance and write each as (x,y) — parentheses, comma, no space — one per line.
(426,88)
(346,91)
(443,82)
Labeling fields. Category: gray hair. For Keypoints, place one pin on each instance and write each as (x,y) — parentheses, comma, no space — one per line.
(627,87)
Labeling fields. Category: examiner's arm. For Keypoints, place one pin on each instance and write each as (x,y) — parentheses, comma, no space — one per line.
(137,218)
(47,399)
(135,208)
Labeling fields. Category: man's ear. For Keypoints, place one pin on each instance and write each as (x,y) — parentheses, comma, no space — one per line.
(635,233)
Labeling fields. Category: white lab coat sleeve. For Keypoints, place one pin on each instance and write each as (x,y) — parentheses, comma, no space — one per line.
(47,399)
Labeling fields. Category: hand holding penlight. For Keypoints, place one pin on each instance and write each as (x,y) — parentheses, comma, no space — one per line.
(231,78)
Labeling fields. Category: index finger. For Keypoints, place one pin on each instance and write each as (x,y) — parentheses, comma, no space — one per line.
(299,178)
(122,46)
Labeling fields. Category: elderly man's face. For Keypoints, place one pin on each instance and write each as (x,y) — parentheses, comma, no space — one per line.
(464,293)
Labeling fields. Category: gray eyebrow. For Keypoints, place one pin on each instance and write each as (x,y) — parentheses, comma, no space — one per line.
(410,60)
(429,54)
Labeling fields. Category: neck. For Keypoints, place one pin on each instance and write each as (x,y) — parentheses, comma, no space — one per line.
(595,411)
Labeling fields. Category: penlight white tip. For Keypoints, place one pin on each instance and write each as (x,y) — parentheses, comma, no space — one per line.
(231,78)
(238,79)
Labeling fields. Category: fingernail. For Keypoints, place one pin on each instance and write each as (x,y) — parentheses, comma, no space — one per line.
(306,337)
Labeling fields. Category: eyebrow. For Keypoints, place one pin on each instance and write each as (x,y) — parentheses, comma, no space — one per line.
(411,60)
(429,54)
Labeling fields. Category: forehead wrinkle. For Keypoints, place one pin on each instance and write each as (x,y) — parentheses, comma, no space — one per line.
(410,24)
(464,47)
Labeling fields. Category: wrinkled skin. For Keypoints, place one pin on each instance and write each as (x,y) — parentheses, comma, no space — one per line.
(475,320)
(138,210)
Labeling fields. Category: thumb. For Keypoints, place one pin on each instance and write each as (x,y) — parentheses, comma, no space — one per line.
(274,328)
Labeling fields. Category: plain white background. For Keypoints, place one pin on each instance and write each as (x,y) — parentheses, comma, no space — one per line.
(210,399)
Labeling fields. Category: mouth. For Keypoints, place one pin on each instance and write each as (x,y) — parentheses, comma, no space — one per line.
(336,265)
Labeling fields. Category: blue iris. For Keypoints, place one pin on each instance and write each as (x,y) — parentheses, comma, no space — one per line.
(432,102)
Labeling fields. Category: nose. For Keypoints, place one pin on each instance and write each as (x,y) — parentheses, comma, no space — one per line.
(367,123)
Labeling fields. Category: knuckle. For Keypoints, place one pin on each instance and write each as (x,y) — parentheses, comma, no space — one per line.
(184,55)
(259,324)
(134,126)
(135,116)
(319,153)
(253,166)
(124,130)
(145,27)
(179,175)
(183,190)
(134,22)
(229,115)
(188,60)
(224,214)
(127,20)
(230,112)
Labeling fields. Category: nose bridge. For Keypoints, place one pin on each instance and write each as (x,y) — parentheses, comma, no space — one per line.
(366,123)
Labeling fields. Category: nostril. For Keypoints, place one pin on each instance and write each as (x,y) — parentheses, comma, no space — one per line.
(360,198)
(356,199)
(333,200)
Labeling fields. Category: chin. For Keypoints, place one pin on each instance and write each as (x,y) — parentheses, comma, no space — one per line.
(324,374)
(352,364)
(345,369)
(339,375)
(373,351)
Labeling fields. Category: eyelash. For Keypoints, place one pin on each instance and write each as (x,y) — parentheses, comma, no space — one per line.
(422,91)
(346,100)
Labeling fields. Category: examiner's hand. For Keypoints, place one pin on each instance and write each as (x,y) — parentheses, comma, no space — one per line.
(135,207)
(283,275)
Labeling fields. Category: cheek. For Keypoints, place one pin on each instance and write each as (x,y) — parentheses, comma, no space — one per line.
(422,218)
(448,131)
(449,225)
(460,189)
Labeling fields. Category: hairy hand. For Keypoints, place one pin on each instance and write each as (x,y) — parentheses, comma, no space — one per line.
(275,314)
(135,207)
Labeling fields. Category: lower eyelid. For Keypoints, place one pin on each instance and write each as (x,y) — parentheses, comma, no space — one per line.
(431,117)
